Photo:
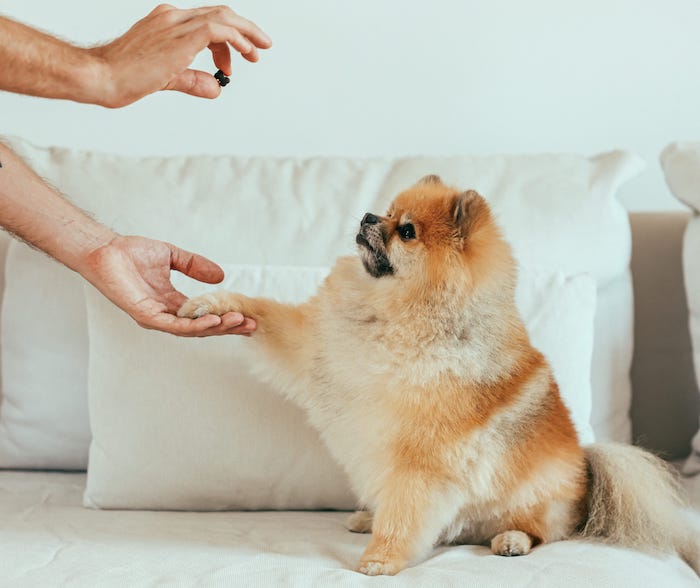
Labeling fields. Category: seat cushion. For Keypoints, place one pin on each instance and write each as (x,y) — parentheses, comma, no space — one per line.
(48,539)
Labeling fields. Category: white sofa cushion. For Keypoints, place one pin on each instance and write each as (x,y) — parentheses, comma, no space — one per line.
(681,163)
(44,418)
(182,424)
(48,540)
(559,212)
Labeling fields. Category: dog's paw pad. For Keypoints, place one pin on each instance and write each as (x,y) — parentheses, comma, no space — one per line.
(511,543)
(194,308)
(378,568)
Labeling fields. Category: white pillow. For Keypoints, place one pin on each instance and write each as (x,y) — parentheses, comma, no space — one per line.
(558,211)
(558,312)
(681,163)
(44,420)
(182,423)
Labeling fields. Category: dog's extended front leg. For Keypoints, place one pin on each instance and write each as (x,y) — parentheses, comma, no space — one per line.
(411,513)
(280,327)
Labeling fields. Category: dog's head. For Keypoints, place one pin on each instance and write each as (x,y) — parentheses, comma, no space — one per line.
(433,234)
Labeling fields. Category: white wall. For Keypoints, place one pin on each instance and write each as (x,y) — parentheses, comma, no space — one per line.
(385,77)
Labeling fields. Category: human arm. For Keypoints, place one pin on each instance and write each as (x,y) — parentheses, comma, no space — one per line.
(133,272)
(153,55)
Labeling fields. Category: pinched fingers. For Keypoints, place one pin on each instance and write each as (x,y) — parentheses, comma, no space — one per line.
(205,33)
(221,54)
(223,15)
(195,83)
(219,27)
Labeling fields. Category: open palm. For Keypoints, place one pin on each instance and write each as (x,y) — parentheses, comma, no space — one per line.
(134,273)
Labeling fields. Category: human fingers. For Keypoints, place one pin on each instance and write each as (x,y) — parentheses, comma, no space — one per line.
(194,265)
(229,326)
(252,55)
(195,83)
(231,323)
(234,323)
(222,57)
(225,16)
(204,33)
(247,328)
(183,327)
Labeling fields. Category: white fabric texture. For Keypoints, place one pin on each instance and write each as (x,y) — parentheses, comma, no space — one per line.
(558,211)
(681,163)
(47,539)
(182,424)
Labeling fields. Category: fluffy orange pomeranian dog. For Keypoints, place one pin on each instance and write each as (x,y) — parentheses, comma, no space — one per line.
(415,367)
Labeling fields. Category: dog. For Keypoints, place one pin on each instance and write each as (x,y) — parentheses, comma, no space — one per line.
(414,365)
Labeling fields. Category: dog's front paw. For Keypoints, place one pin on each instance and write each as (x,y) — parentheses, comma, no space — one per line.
(196,307)
(379,568)
(511,543)
(360,522)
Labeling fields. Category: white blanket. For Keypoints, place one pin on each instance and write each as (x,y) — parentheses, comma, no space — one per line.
(48,539)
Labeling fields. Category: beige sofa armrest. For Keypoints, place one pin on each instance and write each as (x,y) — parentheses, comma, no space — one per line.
(665,400)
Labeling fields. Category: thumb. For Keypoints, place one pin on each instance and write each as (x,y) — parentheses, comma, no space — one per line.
(195,83)
(195,266)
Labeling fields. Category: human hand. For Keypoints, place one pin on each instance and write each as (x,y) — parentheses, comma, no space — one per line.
(156,52)
(134,273)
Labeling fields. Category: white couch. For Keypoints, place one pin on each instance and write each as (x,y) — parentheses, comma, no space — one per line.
(48,539)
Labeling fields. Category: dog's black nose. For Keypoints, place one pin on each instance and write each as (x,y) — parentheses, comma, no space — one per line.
(369,219)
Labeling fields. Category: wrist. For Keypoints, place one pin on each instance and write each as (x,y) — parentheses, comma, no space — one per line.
(87,244)
(97,79)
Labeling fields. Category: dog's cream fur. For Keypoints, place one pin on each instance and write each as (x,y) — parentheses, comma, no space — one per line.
(414,365)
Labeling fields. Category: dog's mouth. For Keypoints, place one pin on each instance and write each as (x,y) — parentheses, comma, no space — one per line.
(361,240)
(373,256)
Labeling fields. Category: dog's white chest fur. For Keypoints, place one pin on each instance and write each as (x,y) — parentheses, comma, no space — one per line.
(359,357)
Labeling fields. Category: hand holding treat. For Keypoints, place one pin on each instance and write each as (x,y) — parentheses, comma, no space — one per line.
(154,54)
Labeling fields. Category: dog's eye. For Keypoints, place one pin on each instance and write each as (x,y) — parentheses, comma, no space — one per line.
(407,232)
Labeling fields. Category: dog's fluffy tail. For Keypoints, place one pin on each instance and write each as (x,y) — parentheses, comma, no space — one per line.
(634,500)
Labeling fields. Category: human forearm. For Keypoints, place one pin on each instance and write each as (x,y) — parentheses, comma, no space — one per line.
(133,272)
(38,64)
(38,214)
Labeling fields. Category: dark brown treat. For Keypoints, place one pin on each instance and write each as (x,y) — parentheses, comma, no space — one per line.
(221,78)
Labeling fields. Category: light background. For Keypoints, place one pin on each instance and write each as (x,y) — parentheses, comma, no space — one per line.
(385,77)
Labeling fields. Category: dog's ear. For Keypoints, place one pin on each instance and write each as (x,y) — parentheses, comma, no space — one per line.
(469,209)
(429,179)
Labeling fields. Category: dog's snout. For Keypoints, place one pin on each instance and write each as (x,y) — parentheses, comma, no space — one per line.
(369,219)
